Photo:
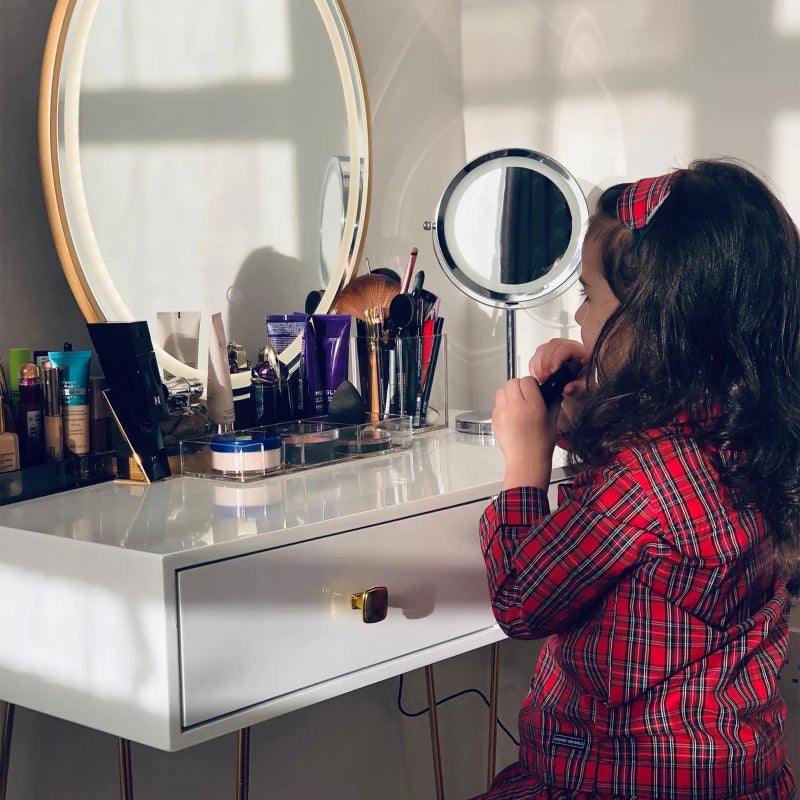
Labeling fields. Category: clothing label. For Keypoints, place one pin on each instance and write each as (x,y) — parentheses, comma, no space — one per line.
(573,742)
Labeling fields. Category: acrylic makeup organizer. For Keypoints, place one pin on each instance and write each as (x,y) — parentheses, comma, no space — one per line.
(411,378)
(305,444)
(71,472)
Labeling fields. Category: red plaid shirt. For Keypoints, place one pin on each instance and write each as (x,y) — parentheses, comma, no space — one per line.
(670,626)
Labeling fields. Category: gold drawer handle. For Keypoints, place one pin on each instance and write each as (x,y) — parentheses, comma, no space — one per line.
(374,603)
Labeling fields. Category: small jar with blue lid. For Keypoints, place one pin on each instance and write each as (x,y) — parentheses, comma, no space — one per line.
(246,453)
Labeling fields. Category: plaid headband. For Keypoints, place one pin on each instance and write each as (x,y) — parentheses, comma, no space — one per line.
(640,200)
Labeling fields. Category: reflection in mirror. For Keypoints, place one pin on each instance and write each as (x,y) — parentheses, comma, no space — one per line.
(511,226)
(190,142)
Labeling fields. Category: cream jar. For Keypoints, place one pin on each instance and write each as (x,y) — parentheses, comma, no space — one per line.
(246,453)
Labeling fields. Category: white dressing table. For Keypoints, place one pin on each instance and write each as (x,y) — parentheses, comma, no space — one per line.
(174,613)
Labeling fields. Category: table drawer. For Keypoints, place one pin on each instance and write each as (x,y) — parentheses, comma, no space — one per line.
(262,625)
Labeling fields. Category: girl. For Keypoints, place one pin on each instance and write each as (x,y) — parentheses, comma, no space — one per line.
(664,576)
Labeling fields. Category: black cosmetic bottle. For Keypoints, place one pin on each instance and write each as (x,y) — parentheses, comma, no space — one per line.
(135,391)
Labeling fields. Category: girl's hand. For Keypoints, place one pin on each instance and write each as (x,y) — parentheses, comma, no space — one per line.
(547,359)
(526,431)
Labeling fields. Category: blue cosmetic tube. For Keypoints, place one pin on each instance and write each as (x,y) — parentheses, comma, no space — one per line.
(74,397)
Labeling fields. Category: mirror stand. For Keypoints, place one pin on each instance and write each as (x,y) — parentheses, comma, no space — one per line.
(508,233)
(479,423)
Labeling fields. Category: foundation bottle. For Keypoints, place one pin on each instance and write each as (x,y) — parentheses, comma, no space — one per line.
(30,418)
(9,448)
(53,424)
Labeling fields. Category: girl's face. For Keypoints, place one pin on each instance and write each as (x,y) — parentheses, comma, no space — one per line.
(599,301)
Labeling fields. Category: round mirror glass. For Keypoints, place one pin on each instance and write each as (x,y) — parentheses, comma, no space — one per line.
(509,228)
(185,147)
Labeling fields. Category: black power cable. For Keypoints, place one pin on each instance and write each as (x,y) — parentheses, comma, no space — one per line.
(444,700)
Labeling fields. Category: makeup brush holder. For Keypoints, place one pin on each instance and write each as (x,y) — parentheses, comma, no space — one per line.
(405,375)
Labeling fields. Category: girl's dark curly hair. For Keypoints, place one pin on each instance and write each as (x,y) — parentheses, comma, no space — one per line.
(709,304)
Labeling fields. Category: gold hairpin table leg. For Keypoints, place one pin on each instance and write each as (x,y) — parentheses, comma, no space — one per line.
(6,728)
(434,720)
(125,769)
(494,673)
(243,764)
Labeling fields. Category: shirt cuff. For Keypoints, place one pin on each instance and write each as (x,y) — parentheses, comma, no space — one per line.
(520,507)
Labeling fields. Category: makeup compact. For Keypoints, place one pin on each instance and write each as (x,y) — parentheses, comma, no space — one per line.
(309,444)
(246,453)
(362,440)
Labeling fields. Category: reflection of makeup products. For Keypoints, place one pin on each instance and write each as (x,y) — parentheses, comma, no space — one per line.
(74,397)
(553,387)
(219,392)
(310,447)
(179,332)
(247,453)
(412,259)
(53,424)
(250,501)
(31,423)
(99,416)
(9,449)
(135,392)
(17,356)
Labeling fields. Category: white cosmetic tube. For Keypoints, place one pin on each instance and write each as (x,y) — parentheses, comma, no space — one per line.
(219,392)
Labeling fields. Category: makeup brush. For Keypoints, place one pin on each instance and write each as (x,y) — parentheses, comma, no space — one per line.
(363,292)
(412,259)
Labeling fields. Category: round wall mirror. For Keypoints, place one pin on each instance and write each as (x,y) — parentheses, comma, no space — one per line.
(508,233)
(191,151)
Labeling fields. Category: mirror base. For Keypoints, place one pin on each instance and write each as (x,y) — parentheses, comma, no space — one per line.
(475,423)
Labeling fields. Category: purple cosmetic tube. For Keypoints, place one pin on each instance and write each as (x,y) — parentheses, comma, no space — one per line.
(333,334)
(314,402)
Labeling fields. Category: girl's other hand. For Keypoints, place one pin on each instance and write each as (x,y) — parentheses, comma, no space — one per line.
(547,359)
(526,431)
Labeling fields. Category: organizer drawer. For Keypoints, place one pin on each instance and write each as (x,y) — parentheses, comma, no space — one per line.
(262,625)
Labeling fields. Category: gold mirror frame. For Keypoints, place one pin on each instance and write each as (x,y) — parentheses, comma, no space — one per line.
(59,152)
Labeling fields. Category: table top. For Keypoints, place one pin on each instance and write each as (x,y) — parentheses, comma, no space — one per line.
(184,513)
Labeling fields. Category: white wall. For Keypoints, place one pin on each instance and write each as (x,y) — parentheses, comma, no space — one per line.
(611,88)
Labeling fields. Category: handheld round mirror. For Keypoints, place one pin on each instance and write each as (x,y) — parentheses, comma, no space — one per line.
(508,233)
